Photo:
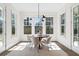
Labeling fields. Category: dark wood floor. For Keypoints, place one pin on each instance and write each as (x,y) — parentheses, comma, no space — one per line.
(42,52)
(68,51)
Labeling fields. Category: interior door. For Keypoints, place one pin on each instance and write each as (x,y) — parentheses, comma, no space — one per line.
(2,29)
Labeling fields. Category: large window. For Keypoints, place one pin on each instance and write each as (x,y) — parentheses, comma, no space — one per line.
(37,28)
(27,25)
(62,24)
(38,24)
(1,21)
(49,25)
(13,23)
(1,27)
(76,26)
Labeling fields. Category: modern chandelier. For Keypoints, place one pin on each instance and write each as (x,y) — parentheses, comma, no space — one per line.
(39,12)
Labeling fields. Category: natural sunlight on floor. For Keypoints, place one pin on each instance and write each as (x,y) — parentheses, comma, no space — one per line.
(0,43)
(76,43)
(20,46)
(54,46)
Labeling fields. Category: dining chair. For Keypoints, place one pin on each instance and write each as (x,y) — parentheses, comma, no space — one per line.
(46,41)
(34,42)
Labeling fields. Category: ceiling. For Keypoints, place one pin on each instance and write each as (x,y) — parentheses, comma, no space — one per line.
(43,7)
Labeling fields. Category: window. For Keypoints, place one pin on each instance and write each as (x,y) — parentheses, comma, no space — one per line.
(38,24)
(76,26)
(62,24)
(1,27)
(49,25)
(27,25)
(13,23)
(1,22)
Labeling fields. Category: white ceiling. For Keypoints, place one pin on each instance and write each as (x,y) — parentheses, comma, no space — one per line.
(43,7)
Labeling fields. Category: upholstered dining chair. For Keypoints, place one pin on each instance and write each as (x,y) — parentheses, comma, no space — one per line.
(46,41)
(34,42)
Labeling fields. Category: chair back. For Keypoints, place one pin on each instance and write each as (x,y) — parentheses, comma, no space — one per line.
(48,39)
(35,41)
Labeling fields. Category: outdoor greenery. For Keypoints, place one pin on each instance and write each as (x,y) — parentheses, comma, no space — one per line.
(49,25)
(49,30)
(27,29)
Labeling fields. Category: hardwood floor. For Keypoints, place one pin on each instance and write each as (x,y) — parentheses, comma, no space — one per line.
(29,51)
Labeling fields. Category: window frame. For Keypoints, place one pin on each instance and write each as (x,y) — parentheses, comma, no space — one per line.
(30,18)
(63,17)
(51,24)
(2,20)
(38,24)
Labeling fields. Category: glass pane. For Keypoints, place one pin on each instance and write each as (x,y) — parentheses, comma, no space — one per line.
(52,20)
(1,27)
(38,21)
(27,23)
(62,23)
(27,18)
(0,12)
(75,30)
(37,24)
(13,29)
(62,18)
(76,26)
(75,19)
(37,28)
(1,22)
(62,29)
(75,11)
(13,23)
(49,30)
(49,25)
(27,29)
(49,20)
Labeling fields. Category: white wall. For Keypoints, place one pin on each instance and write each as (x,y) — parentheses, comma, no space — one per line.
(66,39)
(34,14)
(63,39)
(10,40)
(76,49)
(2,37)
